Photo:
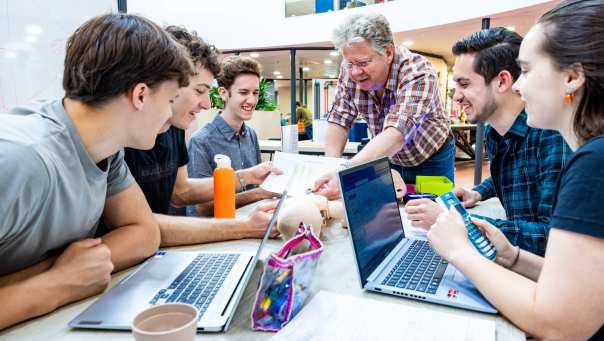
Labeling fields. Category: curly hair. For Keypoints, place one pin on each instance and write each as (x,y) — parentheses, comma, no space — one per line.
(234,66)
(370,27)
(201,53)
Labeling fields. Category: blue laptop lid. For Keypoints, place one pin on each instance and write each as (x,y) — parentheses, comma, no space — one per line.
(374,219)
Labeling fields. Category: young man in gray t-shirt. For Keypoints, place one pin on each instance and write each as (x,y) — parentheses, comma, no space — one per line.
(63,167)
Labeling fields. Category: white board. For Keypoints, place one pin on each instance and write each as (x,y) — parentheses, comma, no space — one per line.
(33,34)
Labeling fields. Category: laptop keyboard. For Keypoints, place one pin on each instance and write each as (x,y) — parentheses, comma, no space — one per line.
(199,282)
(421,269)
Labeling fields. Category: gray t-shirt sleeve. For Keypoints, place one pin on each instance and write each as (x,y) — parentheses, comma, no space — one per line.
(119,177)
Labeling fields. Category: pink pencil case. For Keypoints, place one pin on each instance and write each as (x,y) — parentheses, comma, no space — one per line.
(285,282)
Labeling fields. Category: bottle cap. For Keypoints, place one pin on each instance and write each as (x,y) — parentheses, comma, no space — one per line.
(222,161)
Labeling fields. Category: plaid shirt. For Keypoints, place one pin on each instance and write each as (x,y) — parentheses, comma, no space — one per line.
(411,103)
(525,165)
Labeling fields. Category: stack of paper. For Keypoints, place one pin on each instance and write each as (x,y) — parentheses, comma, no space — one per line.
(331,316)
(299,172)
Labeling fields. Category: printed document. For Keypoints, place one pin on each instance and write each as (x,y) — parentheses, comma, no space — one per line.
(299,172)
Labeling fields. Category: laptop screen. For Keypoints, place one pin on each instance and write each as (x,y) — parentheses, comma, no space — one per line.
(267,233)
(373,215)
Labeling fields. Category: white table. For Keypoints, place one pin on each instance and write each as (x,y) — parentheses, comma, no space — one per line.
(306,147)
(335,273)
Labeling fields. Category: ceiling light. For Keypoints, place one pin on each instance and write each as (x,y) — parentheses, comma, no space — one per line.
(30,39)
(276,73)
(280,77)
(306,69)
(331,76)
(334,53)
(408,43)
(327,61)
(254,55)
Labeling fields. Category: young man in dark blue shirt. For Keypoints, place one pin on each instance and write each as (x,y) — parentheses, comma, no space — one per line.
(525,161)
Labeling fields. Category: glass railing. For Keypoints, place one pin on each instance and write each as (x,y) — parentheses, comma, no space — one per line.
(306,7)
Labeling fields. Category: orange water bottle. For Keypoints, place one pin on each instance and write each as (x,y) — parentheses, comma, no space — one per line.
(224,187)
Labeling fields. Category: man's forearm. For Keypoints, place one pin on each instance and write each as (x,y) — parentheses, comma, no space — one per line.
(27,272)
(386,143)
(486,189)
(198,190)
(336,137)
(132,244)
(34,296)
(177,230)
(252,196)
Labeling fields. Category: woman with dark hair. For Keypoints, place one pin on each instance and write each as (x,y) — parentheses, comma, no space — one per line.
(561,296)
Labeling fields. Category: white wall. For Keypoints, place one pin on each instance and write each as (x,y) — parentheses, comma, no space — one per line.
(242,24)
(33,34)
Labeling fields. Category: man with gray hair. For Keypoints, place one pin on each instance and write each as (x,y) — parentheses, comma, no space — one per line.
(396,92)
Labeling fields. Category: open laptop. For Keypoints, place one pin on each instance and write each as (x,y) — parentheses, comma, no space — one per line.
(212,281)
(387,261)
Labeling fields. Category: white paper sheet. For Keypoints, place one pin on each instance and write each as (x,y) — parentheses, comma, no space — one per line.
(330,317)
(299,172)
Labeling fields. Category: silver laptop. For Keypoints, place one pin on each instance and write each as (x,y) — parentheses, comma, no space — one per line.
(387,261)
(212,281)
